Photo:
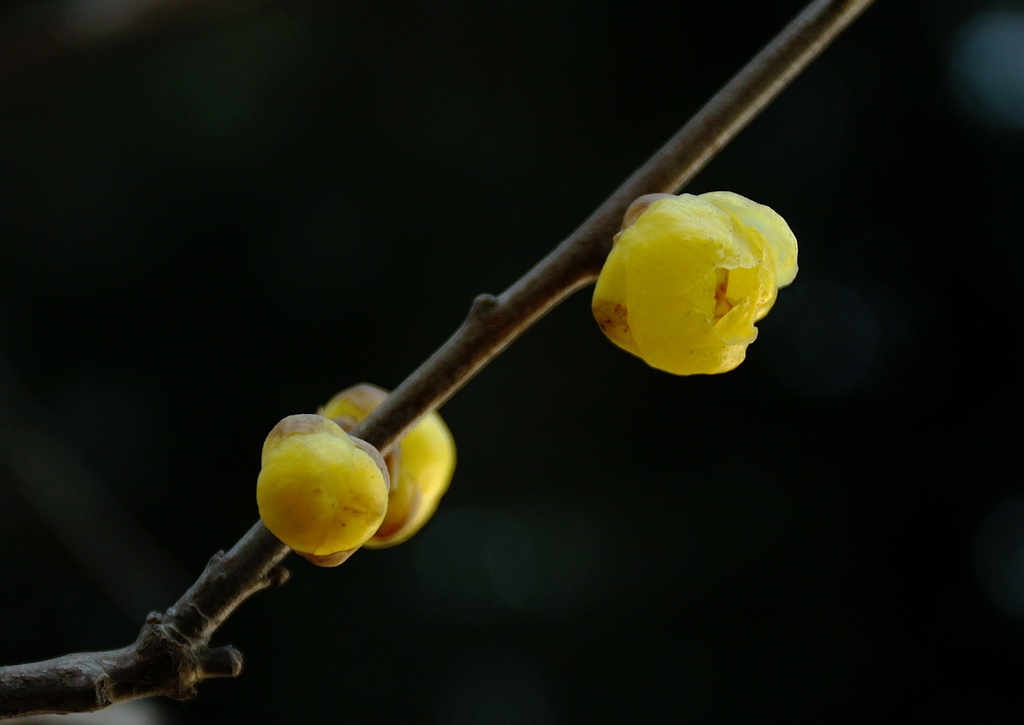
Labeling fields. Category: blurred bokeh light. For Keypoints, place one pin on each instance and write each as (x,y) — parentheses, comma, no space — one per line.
(987,68)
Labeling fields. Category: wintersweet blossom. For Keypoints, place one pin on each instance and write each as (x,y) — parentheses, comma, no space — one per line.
(688,276)
(421,465)
(320,491)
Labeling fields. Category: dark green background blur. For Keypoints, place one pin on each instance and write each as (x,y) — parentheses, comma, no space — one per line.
(210,225)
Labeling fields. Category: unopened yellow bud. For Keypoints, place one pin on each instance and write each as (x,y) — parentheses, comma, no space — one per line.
(320,491)
(421,464)
(688,276)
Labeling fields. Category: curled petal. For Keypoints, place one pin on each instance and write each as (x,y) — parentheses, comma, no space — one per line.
(772,228)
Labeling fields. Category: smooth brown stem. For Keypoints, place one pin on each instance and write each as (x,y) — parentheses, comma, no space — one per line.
(172,652)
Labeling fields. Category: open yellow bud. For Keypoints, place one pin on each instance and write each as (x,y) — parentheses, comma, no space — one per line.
(320,491)
(421,466)
(688,276)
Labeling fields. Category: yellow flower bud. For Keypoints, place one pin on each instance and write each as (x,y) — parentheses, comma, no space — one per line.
(688,276)
(320,491)
(421,465)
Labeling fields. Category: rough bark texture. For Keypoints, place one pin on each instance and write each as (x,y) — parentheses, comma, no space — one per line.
(172,653)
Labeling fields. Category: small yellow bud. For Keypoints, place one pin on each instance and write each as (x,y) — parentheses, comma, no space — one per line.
(320,491)
(421,464)
(688,276)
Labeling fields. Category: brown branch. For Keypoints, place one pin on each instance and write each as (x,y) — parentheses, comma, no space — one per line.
(171,655)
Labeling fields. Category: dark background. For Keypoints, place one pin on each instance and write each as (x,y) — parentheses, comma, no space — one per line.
(210,221)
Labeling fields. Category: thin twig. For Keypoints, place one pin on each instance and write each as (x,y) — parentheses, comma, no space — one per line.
(91,681)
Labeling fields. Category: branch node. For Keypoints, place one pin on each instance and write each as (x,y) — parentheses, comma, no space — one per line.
(221,662)
(483,304)
(277,576)
(216,560)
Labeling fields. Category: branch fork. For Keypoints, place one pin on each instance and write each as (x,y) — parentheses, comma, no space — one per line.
(169,658)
